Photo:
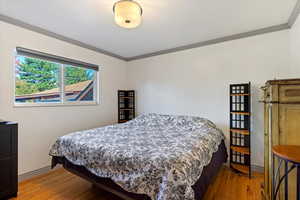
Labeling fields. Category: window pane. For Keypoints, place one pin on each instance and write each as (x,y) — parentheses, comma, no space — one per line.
(37,80)
(79,83)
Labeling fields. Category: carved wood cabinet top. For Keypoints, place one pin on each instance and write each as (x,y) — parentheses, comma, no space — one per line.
(283,82)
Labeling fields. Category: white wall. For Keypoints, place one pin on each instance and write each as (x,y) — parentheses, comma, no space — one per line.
(191,82)
(295,48)
(196,81)
(40,126)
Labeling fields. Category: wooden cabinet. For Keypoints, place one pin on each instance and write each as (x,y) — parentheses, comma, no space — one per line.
(8,160)
(282,126)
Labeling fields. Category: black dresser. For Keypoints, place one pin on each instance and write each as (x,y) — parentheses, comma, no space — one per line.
(8,160)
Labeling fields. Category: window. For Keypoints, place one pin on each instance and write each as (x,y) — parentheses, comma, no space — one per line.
(44,79)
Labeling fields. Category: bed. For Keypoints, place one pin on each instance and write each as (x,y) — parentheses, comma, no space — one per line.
(158,157)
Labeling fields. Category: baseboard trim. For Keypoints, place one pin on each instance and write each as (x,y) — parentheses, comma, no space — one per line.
(31,174)
(256,168)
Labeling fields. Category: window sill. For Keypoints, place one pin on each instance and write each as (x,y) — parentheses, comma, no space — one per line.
(25,105)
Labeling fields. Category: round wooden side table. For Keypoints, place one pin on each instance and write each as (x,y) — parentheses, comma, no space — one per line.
(287,154)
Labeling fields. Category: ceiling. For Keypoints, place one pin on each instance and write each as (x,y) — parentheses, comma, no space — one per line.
(166,24)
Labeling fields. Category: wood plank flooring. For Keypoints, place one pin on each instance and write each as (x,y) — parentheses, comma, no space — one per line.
(61,185)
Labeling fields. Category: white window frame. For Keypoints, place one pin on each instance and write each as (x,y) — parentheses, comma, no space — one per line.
(62,102)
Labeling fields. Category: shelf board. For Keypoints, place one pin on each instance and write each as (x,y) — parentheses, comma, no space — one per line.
(126,97)
(240,113)
(242,168)
(126,108)
(243,150)
(239,94)
(240,131)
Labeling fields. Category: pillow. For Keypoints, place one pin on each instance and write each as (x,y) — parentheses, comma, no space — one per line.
(185,122)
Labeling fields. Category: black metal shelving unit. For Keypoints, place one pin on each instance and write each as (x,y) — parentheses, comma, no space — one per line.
(126,105)
(240,128)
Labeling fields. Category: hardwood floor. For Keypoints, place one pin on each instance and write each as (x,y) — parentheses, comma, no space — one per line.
(61,185)
(231,186)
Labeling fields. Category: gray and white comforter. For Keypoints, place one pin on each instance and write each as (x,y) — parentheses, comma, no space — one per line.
(158,155)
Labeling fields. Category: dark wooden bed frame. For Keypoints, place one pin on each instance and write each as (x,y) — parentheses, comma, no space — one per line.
(208,174)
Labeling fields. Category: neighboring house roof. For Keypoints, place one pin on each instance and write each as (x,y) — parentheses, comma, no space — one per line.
(74,88)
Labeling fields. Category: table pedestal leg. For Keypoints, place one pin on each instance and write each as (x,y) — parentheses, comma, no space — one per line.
(286,181)
(273,178)
(298,182)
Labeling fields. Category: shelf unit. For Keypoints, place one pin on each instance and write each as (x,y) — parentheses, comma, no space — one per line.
(126,105)
(240,128)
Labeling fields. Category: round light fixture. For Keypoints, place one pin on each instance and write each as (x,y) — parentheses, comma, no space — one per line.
(128,13)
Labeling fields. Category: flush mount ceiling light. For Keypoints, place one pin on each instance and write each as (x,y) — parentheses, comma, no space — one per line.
(128,13)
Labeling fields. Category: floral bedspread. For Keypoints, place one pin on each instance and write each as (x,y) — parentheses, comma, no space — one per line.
(158,155)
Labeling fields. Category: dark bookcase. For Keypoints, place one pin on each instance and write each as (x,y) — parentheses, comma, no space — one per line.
(8,160)
(126,105)
(240,127)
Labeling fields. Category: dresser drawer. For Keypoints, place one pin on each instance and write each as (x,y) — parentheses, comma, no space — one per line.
(289,93)
(8,180)
(8,160)
(6,138)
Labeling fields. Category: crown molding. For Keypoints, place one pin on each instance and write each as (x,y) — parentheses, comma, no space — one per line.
(37,29)
(214,41)
(291,21)
(295,14)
